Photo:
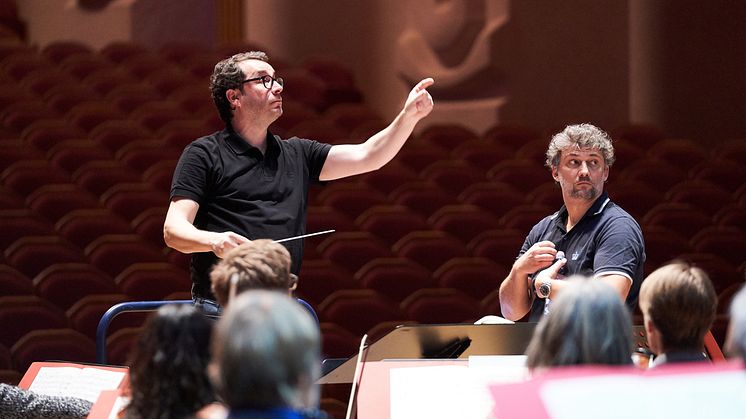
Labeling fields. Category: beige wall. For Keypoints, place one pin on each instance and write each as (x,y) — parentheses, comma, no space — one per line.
(678,64)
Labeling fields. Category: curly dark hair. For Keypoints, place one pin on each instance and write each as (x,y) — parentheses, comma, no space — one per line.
(168,368)
(228,75)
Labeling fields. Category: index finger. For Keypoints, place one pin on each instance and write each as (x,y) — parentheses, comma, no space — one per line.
(424,84)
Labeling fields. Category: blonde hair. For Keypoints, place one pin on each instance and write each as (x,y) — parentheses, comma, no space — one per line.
(259,264)
(681,302)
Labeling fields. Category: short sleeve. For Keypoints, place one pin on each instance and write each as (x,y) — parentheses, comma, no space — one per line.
(315,153)
(620,249)
(191,174)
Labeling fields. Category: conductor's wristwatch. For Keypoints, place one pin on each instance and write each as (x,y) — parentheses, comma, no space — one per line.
(545,288)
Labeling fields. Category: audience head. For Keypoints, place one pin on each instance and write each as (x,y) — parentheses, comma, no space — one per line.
(228,75)
(258,264)
(168,368)
(678,304)
(583,137)
(266,353)
(587,324)
(735,343)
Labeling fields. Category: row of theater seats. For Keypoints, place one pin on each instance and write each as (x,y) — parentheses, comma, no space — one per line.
(426,239)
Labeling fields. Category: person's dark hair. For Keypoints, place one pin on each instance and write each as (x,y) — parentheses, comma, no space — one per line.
(581,136)
(681,302)
(168,368)
(228,75)
(258,264)
(587,324)
(266,353)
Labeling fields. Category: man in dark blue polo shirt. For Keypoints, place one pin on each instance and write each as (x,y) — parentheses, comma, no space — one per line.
(243,183)
(589,235)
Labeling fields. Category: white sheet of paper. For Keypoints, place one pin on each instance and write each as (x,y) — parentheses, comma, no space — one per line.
(499,368)
(84,383)
(119,404)
(717,395)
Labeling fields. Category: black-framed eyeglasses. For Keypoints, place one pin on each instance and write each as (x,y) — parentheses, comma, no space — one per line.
(267,81)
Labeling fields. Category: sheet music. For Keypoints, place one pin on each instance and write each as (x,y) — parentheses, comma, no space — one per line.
(716,395)
(448,391)
(84,383)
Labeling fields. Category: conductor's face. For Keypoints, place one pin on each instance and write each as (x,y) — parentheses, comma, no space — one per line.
(260,98)
(581,173)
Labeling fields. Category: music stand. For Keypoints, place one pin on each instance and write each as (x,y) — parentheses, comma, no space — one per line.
(439,341)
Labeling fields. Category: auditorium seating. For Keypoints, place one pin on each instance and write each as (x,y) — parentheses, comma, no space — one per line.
(441,305)
(90,140)
(395,277)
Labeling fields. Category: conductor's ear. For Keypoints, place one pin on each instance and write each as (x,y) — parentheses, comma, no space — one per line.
(232,95)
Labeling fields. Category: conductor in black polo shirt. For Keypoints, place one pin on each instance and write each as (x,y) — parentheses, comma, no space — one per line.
(590,235)
(244,183)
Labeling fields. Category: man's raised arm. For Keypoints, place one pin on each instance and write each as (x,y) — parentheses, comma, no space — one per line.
(352,159)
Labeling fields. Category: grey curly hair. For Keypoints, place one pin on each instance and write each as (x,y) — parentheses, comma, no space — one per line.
(582,136)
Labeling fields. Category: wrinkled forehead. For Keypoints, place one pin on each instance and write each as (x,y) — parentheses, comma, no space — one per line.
(575,150)
(255,68)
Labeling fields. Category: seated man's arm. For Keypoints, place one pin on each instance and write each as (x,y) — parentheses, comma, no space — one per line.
(352,159)
(515,299)
(620,283)
(180,234)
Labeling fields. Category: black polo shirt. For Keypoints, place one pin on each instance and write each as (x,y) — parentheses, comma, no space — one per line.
(238,189)
(607,240)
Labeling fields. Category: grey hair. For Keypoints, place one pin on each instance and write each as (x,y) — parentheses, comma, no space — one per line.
(228,75)
(581,136)
(587,324)
(735,343)
(266,353)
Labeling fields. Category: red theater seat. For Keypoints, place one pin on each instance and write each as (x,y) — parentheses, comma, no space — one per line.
(31,254)
(20,315)
(512,136)
(113,253)
(463,221)
(319,278)
(48,345)
(496,197)
(441,305)
(475,276)
(396,277)
(82,226)
(481,153)
(447,136)
(338,342)
(452,176)
(351,250)
(358,310)
(684,219)
(152,281)
(17,223)
(86,313)
(13,282)
(65,283)
(130,199)
(500,246)
(429,248)
(423,197)
(523,175)
(679,152)
(390,222)
(55,201)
